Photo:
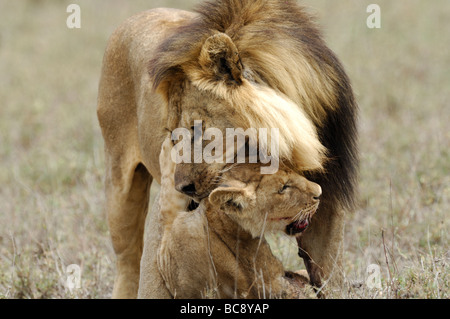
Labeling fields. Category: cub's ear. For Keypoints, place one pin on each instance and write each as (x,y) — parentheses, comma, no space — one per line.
(219,57)
(232,198)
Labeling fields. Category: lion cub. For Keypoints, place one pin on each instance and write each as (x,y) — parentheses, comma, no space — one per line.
(219,250)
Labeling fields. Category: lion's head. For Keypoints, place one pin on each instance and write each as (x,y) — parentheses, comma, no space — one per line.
(222,94)
(297,142)
(284,201)
(248,64)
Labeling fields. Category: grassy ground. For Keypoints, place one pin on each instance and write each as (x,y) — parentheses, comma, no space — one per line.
(51,150)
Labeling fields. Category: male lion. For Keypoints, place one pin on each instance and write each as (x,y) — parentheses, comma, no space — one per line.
(219,250)
(232,63)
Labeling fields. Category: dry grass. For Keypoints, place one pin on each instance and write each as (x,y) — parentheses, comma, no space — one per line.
(51,151)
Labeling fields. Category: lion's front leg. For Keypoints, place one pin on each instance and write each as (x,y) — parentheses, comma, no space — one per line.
(127,197)
(321,247)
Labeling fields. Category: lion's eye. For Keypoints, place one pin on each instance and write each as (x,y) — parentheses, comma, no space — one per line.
(282,189)
(192,134)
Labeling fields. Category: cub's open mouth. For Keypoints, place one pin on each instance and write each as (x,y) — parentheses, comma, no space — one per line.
(297,227)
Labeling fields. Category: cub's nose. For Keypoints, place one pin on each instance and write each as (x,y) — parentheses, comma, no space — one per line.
(316,192)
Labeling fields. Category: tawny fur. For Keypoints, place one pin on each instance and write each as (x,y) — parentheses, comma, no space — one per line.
(280,58)
(219,250)
(279,46)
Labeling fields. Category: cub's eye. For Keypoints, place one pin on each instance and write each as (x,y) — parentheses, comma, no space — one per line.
(282,189)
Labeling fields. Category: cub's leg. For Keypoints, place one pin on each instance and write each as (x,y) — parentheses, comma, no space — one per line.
(151,283)
(294,284)
(155,279)
(171,201)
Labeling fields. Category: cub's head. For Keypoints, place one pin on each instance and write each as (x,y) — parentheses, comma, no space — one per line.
(284,201)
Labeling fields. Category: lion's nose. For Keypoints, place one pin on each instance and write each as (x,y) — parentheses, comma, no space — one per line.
(188,189)
(184,184)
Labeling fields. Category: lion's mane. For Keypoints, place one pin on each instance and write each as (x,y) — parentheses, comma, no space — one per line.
(281,47)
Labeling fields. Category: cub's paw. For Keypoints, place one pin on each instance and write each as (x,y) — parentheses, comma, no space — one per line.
(166,164)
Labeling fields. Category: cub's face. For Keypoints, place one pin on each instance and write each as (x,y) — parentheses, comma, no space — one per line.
(284,201)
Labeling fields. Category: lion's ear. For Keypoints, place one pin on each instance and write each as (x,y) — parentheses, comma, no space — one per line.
(220,58)
(232,198)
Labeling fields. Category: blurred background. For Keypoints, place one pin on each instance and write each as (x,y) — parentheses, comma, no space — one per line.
(52,163)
